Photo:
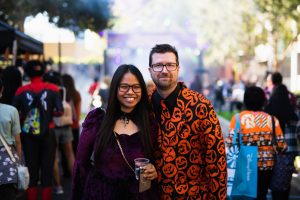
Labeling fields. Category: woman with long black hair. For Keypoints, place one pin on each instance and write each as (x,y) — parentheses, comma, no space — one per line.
(109,142)
(74,98)
(280,106)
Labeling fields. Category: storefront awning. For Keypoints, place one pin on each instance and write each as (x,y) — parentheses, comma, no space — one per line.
(25,43)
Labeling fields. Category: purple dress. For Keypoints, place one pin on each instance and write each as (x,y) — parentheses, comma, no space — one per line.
(112,178)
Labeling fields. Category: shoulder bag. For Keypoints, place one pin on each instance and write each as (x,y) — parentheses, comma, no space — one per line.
(283,167)
(23,174)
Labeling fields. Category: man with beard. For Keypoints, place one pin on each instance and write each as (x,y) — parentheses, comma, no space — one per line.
(191,159)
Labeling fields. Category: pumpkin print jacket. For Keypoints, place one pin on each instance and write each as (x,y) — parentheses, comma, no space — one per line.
(191,158)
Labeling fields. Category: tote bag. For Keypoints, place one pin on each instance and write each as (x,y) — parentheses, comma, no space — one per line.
(245,179)
(242,167)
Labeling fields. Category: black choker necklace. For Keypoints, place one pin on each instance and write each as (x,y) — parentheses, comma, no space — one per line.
(125,118)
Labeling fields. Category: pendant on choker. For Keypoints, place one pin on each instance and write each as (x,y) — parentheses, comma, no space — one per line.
(125,120)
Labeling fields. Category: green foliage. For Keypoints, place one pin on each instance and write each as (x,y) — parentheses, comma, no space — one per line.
(270,24)
(83,116)
(75,15)
(226,114)
(279,12)
(285,8)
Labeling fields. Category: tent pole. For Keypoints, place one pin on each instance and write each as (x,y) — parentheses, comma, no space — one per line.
(15,47)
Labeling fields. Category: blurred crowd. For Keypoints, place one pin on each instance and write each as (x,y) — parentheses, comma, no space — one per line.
(48,147)
(262,110)
(229,95)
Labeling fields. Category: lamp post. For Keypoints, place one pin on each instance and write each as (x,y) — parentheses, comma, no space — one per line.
(59,57)
(59,53)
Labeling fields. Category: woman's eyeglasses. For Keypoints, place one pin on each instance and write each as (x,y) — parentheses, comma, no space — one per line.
(125,88)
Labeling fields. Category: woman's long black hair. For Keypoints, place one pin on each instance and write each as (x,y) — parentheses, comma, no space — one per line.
(69,84)
(140,118)
(11,80)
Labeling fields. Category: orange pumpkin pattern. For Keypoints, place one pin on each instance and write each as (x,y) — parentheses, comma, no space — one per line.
(190,158)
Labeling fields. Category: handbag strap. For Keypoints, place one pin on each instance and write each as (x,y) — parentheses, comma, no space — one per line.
(64,93)
(7,148)
(121,149)
(236,129)
(274,143)
(273,130)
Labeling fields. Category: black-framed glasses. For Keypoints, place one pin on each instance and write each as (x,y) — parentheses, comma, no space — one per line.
(125,88)
(158,67)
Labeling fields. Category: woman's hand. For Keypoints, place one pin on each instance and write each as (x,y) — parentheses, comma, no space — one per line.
(150,172)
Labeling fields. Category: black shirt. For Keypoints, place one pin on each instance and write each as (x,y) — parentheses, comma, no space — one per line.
(170,101)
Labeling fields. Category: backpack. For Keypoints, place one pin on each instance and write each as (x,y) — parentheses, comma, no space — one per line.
(33,123)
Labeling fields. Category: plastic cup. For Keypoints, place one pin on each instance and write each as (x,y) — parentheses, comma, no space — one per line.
(139,164)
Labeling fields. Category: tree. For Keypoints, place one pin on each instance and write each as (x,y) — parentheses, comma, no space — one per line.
(278,17)
(75,15)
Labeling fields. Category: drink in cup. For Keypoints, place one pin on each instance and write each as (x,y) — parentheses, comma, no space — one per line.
(140,163)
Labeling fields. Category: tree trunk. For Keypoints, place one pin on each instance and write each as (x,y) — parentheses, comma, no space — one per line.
(20,25)
(276,66)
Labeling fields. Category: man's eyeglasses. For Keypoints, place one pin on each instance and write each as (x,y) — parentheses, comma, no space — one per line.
(125,88)
(158,67)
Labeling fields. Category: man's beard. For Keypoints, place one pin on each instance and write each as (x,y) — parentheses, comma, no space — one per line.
(164,85)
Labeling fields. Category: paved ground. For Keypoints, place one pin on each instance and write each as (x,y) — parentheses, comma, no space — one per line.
(224,125)
(66,182)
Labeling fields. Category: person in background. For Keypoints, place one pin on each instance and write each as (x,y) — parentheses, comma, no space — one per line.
(279,103)
(191,159)
(12,80)
(257,129)
(280,106)
(268,85)
(109,143)
(10,130)
(93,92)
(196,84)
(104,91)
(219,99)
(74,99)
(238,90)
(150,87)
(95,86)
(63,133)
(39,144)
